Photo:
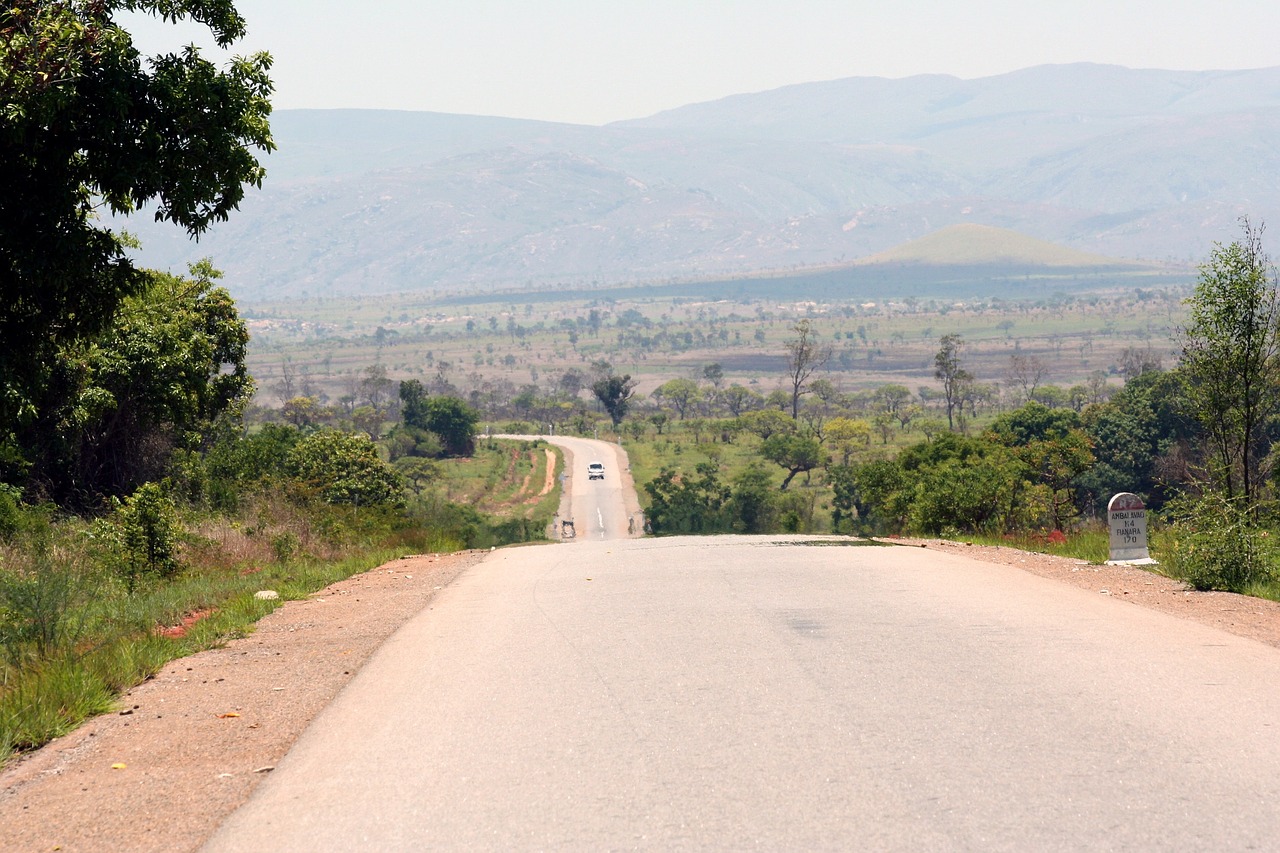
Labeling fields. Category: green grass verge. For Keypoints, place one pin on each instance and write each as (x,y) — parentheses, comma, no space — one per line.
(51,698)
(1090,543)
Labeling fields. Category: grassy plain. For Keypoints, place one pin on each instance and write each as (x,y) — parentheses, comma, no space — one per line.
(1074,324)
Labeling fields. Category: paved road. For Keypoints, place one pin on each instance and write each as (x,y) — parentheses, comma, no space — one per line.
(599,509)
(735,692)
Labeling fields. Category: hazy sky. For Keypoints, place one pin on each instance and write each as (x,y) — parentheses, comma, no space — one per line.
(595,61)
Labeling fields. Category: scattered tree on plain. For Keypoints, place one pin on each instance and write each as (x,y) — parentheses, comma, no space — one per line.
(614,393)
(954,378)
(804,356)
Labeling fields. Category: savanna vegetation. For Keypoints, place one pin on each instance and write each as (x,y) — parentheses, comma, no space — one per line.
(1009,420)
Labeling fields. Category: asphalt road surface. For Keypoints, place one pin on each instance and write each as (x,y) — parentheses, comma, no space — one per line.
(761,692)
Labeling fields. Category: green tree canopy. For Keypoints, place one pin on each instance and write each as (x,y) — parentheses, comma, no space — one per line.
(171,365)
(1231,360)
(91,126)
(413,402)
(1033,422)
(614,393)
(1055,451)
(767,422)
(345,469)
(455,422)
(682,393)
(794,452)
(449,419)
(1141,428)
(688,503)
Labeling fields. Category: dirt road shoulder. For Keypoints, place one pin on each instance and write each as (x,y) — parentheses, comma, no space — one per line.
(190,744)
(1254,618)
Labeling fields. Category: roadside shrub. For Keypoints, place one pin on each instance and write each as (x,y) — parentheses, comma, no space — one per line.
(1216,543)
(10,511)
(238,463)
(796,511)
(285,545)
(146,536)
(970,495)
(751,503)
(345,469)
(685,503)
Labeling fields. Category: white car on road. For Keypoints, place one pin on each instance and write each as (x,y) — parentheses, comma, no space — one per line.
(595,471)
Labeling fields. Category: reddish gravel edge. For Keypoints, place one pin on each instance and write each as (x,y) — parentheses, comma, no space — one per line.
(196,739)
(189,763)
(1254,618)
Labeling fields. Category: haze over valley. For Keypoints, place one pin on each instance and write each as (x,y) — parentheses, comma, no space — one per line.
(1113,162)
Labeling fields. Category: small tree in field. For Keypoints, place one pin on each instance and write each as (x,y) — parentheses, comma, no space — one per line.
(804,356)
(148,531)
(796,453)
(1231,360)
(954,378)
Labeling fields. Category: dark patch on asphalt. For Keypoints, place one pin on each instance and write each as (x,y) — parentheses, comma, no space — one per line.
(826,543)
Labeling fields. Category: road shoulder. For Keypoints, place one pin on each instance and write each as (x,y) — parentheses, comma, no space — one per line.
(196,739)
(1253,618)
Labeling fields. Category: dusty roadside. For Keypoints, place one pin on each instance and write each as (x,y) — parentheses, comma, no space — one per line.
(189,745)
(1255,618)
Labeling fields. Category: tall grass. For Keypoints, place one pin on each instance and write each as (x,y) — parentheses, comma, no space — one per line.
(1091,542)
(75,634)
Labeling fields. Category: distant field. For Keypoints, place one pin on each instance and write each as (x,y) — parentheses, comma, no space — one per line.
(883,325)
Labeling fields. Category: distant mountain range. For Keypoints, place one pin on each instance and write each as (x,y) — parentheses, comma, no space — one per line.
(1109,161)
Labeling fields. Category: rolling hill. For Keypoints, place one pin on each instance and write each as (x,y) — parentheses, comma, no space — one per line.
(1152,165)
(983,245)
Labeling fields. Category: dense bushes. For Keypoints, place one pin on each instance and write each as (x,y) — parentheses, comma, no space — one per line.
(1219,543)
(701,503)
(435,425)
(114,408)
(344,468)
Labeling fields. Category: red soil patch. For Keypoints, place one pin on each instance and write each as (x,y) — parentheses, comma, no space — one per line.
(173,632)
(550,481)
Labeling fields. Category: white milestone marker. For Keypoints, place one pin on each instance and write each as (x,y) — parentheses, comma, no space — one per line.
(1127,517)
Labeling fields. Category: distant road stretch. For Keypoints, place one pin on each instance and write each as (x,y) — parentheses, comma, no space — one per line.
(598,509)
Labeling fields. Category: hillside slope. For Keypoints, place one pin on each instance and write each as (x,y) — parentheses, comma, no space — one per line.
(1154,165)
(982,245)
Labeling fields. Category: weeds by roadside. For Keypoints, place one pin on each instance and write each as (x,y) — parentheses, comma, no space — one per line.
(89,608)
(1091,542)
